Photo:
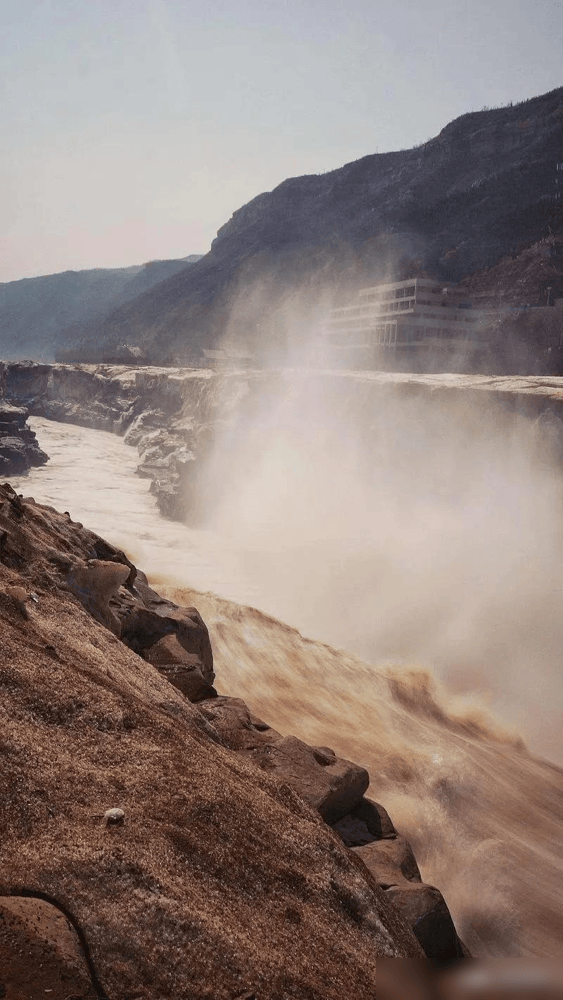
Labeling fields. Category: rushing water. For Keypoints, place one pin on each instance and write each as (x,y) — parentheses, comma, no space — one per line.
(91,474)
(485,818)
(438,544)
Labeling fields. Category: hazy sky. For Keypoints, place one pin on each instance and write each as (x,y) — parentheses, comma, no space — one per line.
(132,129)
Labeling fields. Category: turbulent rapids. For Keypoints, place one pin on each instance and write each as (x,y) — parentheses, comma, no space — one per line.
(484,816)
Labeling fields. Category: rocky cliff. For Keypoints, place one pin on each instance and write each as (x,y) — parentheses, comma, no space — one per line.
(486,186)
(19,450)
(175,417)
(193,848)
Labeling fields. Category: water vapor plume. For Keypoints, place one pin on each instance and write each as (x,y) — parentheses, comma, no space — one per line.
(407,521)
(484,816)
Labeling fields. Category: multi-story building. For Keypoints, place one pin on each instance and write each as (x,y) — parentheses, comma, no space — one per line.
(414,316)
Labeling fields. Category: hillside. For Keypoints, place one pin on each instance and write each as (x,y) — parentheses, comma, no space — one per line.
(531,276)
(485,187)
(225,862)
(193,847)
(35,312)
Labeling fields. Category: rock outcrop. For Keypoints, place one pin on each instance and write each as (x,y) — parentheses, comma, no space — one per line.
(19,450)
(368,830)
(175,416)
(335,788)
(222,863)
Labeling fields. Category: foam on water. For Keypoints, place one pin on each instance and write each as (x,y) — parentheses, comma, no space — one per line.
(485,818)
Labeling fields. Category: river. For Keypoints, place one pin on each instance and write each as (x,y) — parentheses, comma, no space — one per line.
(485,818)
(91,474)
(441,551)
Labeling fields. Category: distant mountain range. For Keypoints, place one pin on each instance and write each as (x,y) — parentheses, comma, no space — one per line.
(35,313)
(486,187)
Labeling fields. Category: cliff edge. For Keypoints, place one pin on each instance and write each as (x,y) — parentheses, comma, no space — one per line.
(195,851)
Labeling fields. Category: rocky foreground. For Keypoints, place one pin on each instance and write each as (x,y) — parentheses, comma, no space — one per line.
(159,839)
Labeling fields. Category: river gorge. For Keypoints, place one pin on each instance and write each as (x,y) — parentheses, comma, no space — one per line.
(437,562)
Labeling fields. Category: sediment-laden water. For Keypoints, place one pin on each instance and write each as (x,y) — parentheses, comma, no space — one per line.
(485,817)
(91,474)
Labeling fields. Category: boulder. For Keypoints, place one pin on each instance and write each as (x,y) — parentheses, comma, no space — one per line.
(427,914)
(368,831)
(94,583)
(184,670)
(331,785)
(368,821)
(142,629)
(12,416)
(390,861)
(236,726)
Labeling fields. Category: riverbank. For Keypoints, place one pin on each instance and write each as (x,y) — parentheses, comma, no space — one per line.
(149,787)
(19,450)
(174,416)
(451,778)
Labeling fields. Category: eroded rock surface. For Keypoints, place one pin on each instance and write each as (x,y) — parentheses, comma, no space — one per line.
(335,788)
(19,449)
(328,783)
(219,869)
(40,952)
(176,417)
(369,832)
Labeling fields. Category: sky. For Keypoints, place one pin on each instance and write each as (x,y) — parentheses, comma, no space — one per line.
(132,129)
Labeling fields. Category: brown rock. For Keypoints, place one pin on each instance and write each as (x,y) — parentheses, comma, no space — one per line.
(94,583)
(426,912)
(331,785)
(389,858)
(237,727)
(366,822)
(143,627)
(390,861)
(184,670)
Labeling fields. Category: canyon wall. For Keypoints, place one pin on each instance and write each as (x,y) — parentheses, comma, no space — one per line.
(179,418)
(19,450)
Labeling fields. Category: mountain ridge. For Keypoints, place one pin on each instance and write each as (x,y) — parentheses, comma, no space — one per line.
(487,186)
(484,187)
(35,312)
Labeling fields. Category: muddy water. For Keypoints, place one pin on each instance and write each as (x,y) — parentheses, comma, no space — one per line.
(439,550)
(485,818)
(91,474)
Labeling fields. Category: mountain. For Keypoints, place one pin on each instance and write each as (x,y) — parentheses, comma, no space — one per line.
(34,312)
(488,185)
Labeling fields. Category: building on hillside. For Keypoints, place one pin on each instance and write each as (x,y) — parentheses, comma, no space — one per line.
(416,317)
